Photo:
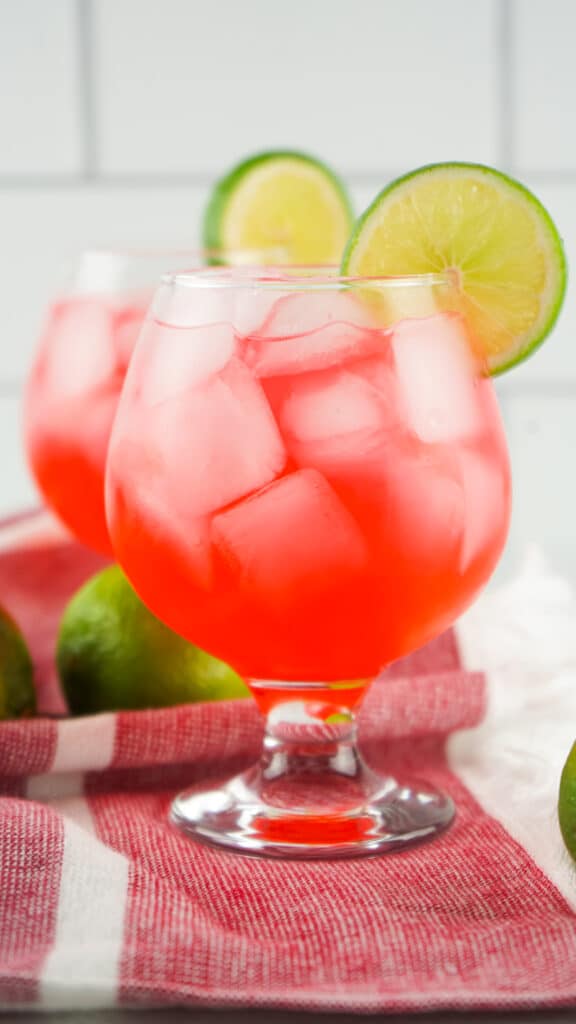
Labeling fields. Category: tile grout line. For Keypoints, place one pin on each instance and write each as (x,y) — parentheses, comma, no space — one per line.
(159,179)
(86,93)
(505,90)
(11,182)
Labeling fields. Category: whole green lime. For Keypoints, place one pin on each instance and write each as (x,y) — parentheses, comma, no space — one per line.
(17,693)
(114,655)
(567,803)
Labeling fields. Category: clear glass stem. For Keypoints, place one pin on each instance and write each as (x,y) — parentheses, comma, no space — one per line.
(311,794)
(310,762)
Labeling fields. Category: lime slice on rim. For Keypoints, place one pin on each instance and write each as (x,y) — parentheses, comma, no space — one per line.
(492,231)
(286,205)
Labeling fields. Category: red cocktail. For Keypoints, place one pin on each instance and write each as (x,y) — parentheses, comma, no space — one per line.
(308,480)
(75,382)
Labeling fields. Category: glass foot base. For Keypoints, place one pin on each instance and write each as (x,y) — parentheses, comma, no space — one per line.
(299,818)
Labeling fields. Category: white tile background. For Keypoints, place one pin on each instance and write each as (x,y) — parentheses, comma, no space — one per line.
(115,115)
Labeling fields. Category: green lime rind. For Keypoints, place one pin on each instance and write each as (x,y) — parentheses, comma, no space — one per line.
(17,692)
(113,654)
(225,187)
(548,229)
(338,718)
(567,803)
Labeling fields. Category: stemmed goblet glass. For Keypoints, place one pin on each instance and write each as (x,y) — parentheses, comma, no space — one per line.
(308,478)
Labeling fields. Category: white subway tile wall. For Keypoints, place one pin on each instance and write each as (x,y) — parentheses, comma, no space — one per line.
(40,116)
(544,85)
(183,85)
(115,115)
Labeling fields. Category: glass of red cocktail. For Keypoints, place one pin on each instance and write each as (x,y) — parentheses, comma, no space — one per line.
(308,477)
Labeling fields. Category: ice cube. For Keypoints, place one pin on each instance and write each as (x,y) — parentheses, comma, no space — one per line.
(252,307)
(407,496)
(264,309)
(408,501)
(311,332)
(218,442)
(141,477)
(127,324)
(407,301)
(424,507)
(101,271)
(302,313)
(378,371)
(293,536)
(437,375)
(78,348)
(172,360)
(198,303)
(328,404)
(337,420)
(487,501)
(328,346)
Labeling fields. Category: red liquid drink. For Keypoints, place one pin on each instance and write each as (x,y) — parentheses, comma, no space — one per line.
(309,507)
(77,376)
(309,482)
(71,400)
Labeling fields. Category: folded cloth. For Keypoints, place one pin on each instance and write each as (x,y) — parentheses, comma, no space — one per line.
(103,903)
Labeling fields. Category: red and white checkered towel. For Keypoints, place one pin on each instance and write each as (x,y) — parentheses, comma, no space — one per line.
(103,903)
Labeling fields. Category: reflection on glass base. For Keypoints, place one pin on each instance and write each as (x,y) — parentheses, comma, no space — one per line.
(301,817)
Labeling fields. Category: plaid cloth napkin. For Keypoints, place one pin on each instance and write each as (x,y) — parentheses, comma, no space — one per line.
(103,903)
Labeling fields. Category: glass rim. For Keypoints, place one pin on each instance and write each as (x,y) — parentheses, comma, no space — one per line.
(298,277)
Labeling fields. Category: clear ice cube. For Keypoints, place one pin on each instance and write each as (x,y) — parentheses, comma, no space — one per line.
(219,442)
(173,360)
(79,353)
(202,303)
(326,405)
(425,507)
(294,535)
(254,304)
(127,324)
(142,475)
(303,313)
(436,377)
(311,332)
(338,420)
